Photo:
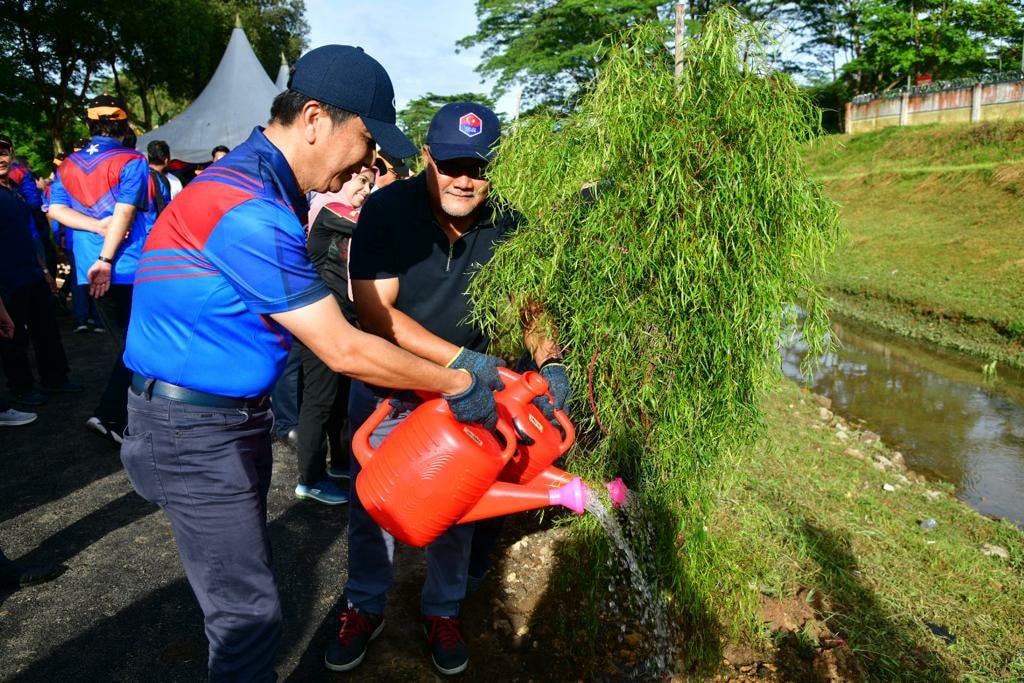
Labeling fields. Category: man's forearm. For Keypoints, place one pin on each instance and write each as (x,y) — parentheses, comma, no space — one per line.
(75,220)
(402,330)
(366,357)
(539,341)
(117,229)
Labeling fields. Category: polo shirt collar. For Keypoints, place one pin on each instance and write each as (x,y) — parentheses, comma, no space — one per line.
(282,171)
(103,143)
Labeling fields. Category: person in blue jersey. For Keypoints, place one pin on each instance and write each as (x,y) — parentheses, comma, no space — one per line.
(224,283)
(101,193)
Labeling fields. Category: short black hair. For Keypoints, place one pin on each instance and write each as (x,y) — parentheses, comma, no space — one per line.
(108,128)
(219,148)
(158,151)
(289,103)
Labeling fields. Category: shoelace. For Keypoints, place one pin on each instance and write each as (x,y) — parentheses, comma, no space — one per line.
(352,624)
(445,630)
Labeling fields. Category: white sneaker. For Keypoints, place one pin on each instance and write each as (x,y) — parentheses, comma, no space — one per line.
(16,418)
(110,430)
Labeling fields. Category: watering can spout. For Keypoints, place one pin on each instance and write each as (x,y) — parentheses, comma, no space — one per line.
(573,496)
(617,491)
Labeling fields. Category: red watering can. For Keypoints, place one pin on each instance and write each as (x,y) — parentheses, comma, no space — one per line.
(540,443)
(432,472)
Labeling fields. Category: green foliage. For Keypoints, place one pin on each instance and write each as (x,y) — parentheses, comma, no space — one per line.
(157,53)
(937,37)
(670,287)
(414,119)
(552,48)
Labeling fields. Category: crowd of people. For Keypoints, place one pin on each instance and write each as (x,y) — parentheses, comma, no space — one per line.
(284,291)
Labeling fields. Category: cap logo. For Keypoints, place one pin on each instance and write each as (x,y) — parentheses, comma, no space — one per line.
(470,125)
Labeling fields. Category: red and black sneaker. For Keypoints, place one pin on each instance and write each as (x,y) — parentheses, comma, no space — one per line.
(447,648)
(358,628)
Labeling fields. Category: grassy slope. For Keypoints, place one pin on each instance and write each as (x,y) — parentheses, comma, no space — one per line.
(934,222)
(820,519)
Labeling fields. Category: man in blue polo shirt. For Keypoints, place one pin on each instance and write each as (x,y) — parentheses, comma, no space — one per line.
(223,284)
(101,192)
(414,251)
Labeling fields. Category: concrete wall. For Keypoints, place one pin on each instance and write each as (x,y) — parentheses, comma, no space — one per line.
(972,104)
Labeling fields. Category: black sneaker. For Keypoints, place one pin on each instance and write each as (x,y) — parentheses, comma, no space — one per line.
(358,628)
(447,648)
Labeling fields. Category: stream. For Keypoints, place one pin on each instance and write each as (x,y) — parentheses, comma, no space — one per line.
(938,408)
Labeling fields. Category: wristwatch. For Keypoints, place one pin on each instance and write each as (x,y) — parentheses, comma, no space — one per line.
(103,258)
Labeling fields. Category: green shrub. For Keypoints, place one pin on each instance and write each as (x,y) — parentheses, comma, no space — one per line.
(671,282)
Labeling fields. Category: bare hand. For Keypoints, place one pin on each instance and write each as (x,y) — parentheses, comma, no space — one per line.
(102,225)
(99,279)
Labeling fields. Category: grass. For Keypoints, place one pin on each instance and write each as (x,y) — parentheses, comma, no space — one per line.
(933,216)
(802,515)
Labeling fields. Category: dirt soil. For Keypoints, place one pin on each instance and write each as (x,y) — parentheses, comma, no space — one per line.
(121,610)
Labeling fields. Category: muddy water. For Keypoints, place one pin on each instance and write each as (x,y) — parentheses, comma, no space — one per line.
(937,408)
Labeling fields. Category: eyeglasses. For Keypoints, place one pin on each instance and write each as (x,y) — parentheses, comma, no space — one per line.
(456,168)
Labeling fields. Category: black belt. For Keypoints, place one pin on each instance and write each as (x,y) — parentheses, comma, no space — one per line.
(156,387)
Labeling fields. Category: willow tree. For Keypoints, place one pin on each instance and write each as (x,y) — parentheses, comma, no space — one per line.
(698,237)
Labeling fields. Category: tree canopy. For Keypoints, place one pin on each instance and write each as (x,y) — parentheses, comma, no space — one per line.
(553,49)
(155,55)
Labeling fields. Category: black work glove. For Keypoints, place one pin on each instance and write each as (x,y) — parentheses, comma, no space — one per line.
(483,367)
(475,405)
(558,387)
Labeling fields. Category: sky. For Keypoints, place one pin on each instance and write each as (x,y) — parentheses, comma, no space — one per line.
(413,39)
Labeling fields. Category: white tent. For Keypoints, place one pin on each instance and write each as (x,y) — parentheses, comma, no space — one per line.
(236,99)
(282,74)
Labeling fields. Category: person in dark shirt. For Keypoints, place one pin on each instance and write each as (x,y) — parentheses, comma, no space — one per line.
(324,406)
(414,252)
(27,291)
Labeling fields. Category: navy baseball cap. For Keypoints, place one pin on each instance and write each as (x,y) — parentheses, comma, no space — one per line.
(463,130)
(347,78)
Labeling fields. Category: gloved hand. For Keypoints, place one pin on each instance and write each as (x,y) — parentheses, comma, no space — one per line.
(475,405)
(558,387)
(482,366)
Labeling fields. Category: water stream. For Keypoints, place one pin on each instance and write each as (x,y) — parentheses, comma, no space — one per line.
(936,407)
(656,650)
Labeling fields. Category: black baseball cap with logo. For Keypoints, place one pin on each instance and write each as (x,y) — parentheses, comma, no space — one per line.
(463,130)
(347,78)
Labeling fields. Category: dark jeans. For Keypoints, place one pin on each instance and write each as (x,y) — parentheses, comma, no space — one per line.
(209,469)
(83,306)
(33,307)
(322,417)
(115,308)
(285,397)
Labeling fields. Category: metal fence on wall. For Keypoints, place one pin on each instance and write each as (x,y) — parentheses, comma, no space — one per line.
(987,98)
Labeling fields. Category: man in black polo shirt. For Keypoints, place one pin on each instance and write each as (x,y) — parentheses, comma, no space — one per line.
(415,247)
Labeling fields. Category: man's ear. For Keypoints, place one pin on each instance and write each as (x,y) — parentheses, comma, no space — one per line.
(309,118)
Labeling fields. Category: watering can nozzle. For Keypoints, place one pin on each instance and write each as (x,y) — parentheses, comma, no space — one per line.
(573,496)
(617,491)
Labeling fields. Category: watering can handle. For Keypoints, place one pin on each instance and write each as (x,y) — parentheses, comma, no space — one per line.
(570,431)
(361,439)
(509,434)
